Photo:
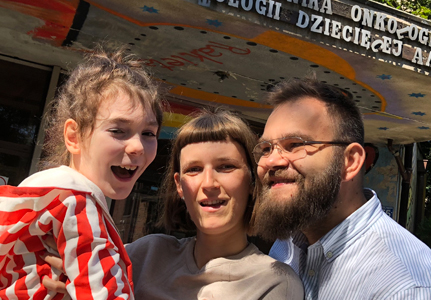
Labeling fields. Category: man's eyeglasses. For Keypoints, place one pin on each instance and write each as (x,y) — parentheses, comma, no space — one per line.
(293,148)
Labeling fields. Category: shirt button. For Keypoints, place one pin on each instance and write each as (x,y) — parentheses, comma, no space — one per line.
(311,273)
(329,254)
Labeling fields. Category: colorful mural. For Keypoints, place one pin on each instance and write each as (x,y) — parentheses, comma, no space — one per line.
(216,53)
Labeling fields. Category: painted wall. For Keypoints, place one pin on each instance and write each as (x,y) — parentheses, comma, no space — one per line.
(383,178)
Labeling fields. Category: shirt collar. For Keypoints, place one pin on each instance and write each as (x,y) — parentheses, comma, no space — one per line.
(347,232)
(64,177)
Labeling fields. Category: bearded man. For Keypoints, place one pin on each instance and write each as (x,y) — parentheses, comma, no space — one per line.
(329,229)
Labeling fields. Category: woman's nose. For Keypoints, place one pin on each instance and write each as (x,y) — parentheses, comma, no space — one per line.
(209,179)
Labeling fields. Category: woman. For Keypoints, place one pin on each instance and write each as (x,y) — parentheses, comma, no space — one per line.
(209,187)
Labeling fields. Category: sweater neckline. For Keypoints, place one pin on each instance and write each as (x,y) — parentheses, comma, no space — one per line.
(191,264)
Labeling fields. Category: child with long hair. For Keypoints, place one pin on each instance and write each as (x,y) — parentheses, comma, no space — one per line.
(102,135)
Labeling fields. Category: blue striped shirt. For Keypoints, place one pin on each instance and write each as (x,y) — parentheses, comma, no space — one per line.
(367,256)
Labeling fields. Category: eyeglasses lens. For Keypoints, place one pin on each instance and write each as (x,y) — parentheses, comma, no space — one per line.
(292,148)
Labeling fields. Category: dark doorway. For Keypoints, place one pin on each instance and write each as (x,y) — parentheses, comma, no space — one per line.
(23,91)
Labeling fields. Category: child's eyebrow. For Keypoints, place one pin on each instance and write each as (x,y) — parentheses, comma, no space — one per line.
(117,121)
(153,123)
(120,120)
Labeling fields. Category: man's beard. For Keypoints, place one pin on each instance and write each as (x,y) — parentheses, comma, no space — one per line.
(280,218)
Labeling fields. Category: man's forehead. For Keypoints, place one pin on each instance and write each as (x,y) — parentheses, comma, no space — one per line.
(306,117)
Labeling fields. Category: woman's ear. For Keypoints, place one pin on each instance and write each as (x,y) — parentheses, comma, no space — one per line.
(71,136)
(178,184)
(354,158)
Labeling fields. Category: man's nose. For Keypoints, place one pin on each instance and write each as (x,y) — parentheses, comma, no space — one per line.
(275,159)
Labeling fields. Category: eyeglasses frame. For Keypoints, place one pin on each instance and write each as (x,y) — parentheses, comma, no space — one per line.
(333,143)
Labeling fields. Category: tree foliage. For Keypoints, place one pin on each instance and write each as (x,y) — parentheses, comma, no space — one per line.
(420,8)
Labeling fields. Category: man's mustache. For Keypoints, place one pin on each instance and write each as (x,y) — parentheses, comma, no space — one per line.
(281,174)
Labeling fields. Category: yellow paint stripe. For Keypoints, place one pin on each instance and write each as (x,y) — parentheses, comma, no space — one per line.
(174,119)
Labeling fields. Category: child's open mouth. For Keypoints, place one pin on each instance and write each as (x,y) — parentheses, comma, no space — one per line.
(124,172)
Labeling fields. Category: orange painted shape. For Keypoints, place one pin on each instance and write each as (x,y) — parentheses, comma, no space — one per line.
(305,50)
(313,53)
(66,6)
(57,14)
(196,94)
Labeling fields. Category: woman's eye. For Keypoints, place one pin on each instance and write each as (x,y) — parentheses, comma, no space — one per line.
(227,167)
(193,170)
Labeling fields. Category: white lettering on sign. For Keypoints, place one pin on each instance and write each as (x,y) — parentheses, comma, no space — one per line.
(325,8)
(271,8)
(362,36)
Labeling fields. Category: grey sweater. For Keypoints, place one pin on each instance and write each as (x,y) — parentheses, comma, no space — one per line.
(164,268)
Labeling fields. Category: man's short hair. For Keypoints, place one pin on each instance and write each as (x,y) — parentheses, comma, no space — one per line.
(342,109)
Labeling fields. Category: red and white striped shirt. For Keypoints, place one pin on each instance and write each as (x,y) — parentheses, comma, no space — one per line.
(63,203)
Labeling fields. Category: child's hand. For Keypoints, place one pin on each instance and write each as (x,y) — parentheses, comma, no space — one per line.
(57,263)
(53,285)
(53,261)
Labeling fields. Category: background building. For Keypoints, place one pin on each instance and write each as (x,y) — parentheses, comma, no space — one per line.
(231,52)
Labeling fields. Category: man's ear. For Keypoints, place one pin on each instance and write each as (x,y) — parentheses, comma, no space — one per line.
(354,158)
(71,136)
(178,184)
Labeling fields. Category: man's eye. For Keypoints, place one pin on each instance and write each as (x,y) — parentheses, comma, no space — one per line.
(295,145)
(266,149)
(290,145)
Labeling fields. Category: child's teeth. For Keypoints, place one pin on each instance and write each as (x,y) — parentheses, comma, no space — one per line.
(129,168)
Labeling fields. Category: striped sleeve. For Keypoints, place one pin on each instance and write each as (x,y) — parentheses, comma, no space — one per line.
(412,294)
(96,263)
(93,255)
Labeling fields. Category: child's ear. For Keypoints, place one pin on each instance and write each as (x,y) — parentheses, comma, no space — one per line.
(71,137)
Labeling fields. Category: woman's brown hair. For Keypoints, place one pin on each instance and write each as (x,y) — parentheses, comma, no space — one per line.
(207,126)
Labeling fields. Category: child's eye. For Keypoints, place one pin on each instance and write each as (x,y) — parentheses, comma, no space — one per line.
(116,131)
(149,133)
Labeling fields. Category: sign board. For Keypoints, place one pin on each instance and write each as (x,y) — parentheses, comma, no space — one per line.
(363,27)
